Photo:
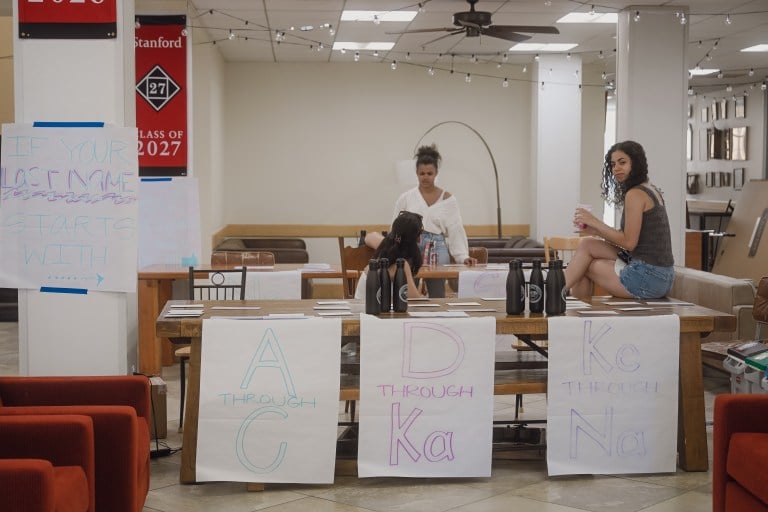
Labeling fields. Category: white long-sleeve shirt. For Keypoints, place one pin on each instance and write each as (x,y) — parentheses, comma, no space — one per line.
(443,217)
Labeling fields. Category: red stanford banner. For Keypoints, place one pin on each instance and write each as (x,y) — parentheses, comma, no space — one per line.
(161,95)
(68,19)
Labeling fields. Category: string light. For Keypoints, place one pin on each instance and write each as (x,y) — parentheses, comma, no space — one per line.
(473,59)
(637,16)
(231,35)
(751,72)
(393,65)
(505,57)
(720,74)
(600,55)
(375,53)
(138,24)
(568,56)
(728,20)
(431,71)
(343,51)
(729,88)
(525,68)
(468,78)
(421,7)
(536,57)
(592,10)
(376,19)
(604,75)
(357,56)
(505,83)
(408,56)
(690,91)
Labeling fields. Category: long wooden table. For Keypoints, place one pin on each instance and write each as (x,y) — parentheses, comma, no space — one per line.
(695,322)
(154,290)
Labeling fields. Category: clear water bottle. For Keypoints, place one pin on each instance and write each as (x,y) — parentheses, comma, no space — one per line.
(372,289)
(400,288)
(536,288)
(385,283)
(515,288)
(554,300)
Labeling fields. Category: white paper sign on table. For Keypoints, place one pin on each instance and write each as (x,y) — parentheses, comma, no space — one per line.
(268,403)
(612,395)
(427,386)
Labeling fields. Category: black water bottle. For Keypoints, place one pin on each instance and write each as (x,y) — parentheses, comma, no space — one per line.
(372,289)
(515,288)
(361,241)
(386,285)
(554,298)
(536,288)
(400,288)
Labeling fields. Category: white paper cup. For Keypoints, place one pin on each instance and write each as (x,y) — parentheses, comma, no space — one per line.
(584,206)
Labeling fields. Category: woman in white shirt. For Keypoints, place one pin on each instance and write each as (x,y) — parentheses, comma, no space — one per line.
(443,227)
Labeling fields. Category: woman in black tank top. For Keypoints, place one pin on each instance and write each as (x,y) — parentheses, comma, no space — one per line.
(636,260)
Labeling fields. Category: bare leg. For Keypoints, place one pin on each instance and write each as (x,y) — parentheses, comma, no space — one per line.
(592,264)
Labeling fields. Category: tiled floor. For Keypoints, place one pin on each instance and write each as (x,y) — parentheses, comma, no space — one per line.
(520,484)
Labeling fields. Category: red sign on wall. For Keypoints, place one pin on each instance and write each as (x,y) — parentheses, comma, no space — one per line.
(67,19)
(161,95)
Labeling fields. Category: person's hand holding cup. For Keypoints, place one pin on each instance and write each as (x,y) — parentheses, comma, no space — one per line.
(577,218)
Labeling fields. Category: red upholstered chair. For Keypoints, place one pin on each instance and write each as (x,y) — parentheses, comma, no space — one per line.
(47,463)
(119,407)
(740,465)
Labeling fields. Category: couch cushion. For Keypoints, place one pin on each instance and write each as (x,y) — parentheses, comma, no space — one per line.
(71,489)
(747,456)
(761,301)
(231,244)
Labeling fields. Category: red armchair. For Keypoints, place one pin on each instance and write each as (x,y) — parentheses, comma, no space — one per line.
(119,407)
(47,463)
(740,459)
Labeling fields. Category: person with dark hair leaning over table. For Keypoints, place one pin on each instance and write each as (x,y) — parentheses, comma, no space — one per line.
(402,242)
(632,262)
(444,230)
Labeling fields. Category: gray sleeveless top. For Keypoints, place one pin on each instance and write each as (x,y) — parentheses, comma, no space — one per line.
(655,243)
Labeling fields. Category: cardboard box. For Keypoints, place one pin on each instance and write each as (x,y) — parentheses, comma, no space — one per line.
(159,390)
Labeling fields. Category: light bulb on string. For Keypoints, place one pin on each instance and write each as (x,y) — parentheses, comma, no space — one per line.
(690,91)
(720,74)
(763,86)
(592,10)
(184,32)
(431,71)
(568,56)
(536,57)
(138,23)
(473,59)
(498,65)
(604,75)
(600,55)
(408,56)
(728,20)
(751,72)
(376,19)
(393,65)
(505,83)
(343,51)
(505,57)
(637,16)
(729,87)
(683,18)
(231,35)
(468,78)
(421,7)
(375,53)
(357,56)
(525,68)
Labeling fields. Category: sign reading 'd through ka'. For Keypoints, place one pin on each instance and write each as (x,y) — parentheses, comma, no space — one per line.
(68,208)
(612,395)
(426,394)
(269,400)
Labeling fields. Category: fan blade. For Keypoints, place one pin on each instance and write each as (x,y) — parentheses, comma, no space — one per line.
(504,33)
(531,29)
(419,30)
(453,33)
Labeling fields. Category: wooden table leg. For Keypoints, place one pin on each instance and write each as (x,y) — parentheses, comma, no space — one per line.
(188,472)
(691,434)
(148,296)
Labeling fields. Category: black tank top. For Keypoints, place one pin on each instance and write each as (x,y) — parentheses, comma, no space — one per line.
(655,243)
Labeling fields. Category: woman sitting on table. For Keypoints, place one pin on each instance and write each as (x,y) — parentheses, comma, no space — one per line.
(401,242)
(632,262)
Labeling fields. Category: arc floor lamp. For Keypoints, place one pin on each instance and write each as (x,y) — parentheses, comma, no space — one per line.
(493,162)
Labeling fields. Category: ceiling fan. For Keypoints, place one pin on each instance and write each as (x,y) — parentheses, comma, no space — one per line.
(474,23)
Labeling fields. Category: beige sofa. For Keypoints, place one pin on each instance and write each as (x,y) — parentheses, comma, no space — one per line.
(723,293)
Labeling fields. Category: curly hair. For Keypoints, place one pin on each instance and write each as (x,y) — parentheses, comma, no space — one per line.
(403,241)
(613,191)
(428,155)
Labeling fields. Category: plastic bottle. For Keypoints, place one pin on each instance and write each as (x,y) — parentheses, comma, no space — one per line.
(554,300)
(372,289)
(536,288)
(425,261)
(400,288)
(515,288)
(386,285)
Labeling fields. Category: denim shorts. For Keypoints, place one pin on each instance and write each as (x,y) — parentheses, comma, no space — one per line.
(438,245)
(646,281)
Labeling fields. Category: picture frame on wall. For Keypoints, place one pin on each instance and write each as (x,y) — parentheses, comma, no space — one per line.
(709,178)
(725,179)
(705,114)
(740,107)
(689,143)
(738,143)
(738,178)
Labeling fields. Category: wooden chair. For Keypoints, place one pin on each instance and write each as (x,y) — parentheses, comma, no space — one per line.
(558,245)
(352,258)
(232,259)
(228,284)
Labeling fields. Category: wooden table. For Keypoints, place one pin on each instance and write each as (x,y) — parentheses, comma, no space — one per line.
(154,290)
(695,322)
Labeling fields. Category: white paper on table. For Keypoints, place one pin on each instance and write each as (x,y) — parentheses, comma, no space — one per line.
(612,395)
(277,285)
(622,303)
(435,314)
(268,406)
(433,381)
(470,303)
(598,312)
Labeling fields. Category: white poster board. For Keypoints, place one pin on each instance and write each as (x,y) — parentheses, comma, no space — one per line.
(273,285)
(426,397)
(612,395)
(482,283)
(68,208)
(269,400)
(169,222)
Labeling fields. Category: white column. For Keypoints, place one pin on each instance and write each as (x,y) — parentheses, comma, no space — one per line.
(76,80)
(556,140)
(652,83)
